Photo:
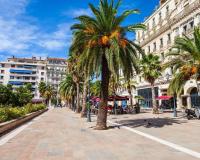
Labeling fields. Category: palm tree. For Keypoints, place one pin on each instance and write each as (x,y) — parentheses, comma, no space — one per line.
(129,85)
(185,59)
(67,89)
(105,48)
(48,94)
(96,88)
(42,88)
(73,67)
(150,71)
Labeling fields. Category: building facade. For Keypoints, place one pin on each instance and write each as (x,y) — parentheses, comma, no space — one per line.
(19,71)
(56,71)
(172,18)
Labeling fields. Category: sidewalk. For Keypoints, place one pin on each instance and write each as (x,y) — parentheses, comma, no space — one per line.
(61,134)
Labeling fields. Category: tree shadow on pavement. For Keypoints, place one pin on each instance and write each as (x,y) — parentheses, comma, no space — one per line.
(149,122)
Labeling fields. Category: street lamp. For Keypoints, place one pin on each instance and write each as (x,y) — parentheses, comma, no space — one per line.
(174,97)
(88,104)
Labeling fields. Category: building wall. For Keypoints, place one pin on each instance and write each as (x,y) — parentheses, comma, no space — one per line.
(173,18)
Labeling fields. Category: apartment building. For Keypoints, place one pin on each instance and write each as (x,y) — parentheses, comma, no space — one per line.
(19,71)
(56,71)
(171,19)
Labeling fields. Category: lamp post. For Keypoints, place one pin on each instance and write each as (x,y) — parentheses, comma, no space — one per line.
(174,97)
(88,104)
(175,112)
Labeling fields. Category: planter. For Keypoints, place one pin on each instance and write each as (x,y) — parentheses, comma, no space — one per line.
(10,125)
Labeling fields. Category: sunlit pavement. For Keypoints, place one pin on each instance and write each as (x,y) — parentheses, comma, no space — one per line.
(61,134)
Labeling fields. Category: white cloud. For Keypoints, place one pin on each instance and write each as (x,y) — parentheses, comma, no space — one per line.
(10,8)
(77,12)
(22,37)
(59,39)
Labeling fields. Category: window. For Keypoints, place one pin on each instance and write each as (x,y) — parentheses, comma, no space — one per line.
(12,77)
(42,79)
(42,68)
(167,10)
(191,24)
(154,46)
(27,78)
(2,65)
(42,73)
(184,28)
(160,16)
(12,65)
(1,77)
(33,78)
(2,71)
(149,49)
(154,23)
(168,38)
(161,42)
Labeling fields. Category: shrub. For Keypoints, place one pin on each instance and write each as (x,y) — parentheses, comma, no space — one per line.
(9,113)
(3,115)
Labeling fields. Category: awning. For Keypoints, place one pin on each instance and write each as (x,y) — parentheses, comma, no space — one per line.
(164,98)
(16,83)
(118,98)
(20,71)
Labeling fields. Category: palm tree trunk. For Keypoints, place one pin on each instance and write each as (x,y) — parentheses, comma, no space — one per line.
(102,112)
(130,95)
(73,102)
(83,112)
(77,99)
(155,108)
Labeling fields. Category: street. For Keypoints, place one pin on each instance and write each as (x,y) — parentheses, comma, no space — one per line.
(60,134)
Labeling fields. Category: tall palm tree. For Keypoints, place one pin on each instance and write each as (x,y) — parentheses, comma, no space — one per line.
(105,48)
(150,71)
(73,67)
(185,59)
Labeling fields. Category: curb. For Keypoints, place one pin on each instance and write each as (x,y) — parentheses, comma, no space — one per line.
(10,125)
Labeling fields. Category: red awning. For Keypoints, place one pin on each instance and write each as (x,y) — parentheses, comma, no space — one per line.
(118,98)
(164,98)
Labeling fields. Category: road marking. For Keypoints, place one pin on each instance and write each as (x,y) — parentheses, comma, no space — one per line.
(164,142)
(15,132)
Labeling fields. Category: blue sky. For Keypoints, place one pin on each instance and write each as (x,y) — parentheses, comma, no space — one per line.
(42,27)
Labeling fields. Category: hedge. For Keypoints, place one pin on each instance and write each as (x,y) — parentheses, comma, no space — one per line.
(9,113)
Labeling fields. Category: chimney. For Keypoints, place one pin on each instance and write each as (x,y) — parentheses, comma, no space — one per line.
(162,1)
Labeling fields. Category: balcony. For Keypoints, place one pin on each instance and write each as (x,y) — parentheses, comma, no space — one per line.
(188,10)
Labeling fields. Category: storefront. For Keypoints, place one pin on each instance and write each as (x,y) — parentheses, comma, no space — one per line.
(147,95)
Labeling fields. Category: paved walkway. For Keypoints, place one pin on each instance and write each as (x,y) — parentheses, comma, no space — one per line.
(60,134)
